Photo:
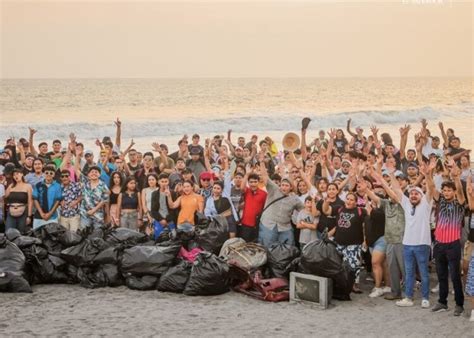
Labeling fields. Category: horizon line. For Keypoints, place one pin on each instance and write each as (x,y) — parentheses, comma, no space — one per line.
(237,77)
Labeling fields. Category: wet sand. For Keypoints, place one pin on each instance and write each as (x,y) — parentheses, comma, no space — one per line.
(70,310)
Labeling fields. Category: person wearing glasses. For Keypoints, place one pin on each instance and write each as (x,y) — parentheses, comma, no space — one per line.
(46,195)
(417,236)
(72,196)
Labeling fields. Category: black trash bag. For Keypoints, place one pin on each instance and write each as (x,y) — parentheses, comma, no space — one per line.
(13,235)
(107,256)
(11,282)
(279,256)
(185,235)
(112,275)
(71,273)
(11,257)
(92,277)
(201,220)
(124,236)
(209,276)
(85,252)
(321,258)
(343,283)
(141,283)
(149,260)
(48,270)
(175,279)
(69,238)
(49,235)
(212,237)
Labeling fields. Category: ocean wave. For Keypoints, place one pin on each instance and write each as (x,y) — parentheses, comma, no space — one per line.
(245,123)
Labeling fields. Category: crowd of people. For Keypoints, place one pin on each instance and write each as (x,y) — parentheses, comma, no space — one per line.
(393,209)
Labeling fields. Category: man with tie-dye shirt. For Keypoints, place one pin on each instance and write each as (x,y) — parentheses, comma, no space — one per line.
(447,250)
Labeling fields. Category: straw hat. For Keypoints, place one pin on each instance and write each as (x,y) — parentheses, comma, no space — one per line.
(291,141)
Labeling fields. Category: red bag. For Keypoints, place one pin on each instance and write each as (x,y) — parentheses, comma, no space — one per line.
(270,290)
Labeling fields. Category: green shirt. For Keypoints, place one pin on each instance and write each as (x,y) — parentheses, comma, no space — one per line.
(394,221)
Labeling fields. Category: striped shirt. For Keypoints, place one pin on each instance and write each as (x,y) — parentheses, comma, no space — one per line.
(449,220)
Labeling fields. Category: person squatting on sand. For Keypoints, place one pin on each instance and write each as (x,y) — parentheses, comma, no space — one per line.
(391,207)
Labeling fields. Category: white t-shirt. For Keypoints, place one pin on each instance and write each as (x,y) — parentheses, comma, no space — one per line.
(417,226)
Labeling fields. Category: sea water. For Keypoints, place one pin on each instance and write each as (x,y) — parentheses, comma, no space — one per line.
(162,110)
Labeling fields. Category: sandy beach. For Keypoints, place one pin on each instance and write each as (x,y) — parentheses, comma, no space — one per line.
(70,310)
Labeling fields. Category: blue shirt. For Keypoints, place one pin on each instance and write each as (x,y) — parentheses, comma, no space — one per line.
(104,177)
(47,196)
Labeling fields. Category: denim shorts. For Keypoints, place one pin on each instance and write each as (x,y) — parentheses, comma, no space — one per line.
(380,245)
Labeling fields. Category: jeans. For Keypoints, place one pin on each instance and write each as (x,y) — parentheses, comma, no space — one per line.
(267,236)
(17,223)
(249,234)
(129,220)
(421,255)
(448,258)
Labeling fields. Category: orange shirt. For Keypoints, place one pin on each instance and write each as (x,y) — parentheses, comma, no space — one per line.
(189,206)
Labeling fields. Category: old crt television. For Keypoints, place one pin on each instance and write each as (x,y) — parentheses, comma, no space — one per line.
(310,289)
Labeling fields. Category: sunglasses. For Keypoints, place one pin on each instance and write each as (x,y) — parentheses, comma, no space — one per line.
(49,173)
(62,176)
(205,179)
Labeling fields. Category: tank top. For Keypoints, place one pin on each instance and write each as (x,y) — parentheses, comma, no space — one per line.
(129,202)
(113,198)
(17,197)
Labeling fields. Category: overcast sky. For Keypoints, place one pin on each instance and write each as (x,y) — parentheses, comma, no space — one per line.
(235,39)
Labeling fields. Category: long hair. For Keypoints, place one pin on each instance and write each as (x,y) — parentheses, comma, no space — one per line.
(111,183)
(127,181)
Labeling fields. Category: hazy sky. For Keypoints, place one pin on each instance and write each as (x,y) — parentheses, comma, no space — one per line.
(42,39)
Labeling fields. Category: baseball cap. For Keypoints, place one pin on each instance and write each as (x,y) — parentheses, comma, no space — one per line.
(88,152)
(206,176)
(412,164)
(195,151)
(385,172)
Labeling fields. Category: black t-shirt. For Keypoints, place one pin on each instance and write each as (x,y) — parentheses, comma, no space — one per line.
(349,225)
(222,204)
(375,226)
(328,222)
(340,145)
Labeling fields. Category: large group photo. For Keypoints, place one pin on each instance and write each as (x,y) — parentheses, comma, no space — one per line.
(231,196)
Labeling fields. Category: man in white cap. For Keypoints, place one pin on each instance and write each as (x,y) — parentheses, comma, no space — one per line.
(417,237)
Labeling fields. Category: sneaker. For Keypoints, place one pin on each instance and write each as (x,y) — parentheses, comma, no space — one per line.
(435,289)
(376,292)
(386,289)
(425,304)
(391,296)
(472,316)
(369,278)
(405,302)
(458,310)
(439,308)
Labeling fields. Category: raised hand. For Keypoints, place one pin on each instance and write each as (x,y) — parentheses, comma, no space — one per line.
(32,131)
(118,123)
(424,123)
(72,138)
(374,130)
(441,125)
(156,147)
(97,142)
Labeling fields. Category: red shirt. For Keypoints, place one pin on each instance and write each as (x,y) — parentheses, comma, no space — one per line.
(254,203)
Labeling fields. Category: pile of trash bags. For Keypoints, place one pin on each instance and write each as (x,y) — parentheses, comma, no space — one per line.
(193,261)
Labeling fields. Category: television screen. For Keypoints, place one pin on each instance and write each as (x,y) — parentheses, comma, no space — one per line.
(310,289)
